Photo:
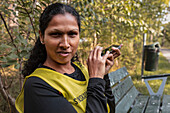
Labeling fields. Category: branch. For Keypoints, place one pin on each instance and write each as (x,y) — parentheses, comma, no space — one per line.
(12,19)
(7,96)
(7,87)
(9,32)
(29,18)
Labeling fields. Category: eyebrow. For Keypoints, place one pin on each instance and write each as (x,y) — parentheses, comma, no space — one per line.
(54,30)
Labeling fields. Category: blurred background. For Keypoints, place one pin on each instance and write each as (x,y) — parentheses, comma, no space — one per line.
(103,23)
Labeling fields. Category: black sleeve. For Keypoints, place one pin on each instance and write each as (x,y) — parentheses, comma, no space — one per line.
(96,100)
(109,94)
(39,97)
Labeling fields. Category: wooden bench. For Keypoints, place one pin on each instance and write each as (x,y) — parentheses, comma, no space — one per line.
(129,100)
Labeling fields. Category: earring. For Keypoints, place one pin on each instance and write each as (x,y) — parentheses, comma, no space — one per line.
(42,42)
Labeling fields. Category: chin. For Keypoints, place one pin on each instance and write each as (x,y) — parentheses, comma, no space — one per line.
(64,62)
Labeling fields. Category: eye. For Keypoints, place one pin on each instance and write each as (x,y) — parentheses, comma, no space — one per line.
(72,34)
(55,34)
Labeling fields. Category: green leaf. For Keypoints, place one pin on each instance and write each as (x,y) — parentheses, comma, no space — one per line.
(5,46)
(11,62)
(43,3)
(12,56)
(5,11)
(3,59)
(17,66)
(23,53)
(5,65)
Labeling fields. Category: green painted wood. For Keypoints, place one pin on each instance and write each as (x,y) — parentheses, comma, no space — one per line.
(124,105)
(122,88)
(153,104)
(140,104)
(117,75)
(126,94)
(166,104)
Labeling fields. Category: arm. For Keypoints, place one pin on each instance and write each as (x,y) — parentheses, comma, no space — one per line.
(98,95)
(98,66)
(109,95)
(96,100)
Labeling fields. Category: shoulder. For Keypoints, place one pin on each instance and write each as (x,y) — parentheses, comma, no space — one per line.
(35,85)
(34,81)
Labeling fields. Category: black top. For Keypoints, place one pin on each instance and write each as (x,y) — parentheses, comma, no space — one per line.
(40,97)
(77,74)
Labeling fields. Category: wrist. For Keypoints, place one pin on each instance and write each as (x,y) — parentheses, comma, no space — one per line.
(95,76)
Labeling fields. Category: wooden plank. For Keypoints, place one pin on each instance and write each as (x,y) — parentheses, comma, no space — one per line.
(153,104)
(122,88)
(117,75)
(140,104)
(125,104)
(166,104)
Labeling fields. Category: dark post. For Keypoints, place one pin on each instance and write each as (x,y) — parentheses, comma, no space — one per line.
(144,43)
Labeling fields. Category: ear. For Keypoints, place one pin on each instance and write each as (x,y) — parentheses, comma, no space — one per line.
(41,37)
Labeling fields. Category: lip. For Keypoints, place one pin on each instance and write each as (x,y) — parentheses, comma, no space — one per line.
(64,54)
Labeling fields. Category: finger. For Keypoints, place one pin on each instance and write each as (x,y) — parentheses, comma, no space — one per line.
(116,52)
(109,62)
(90,55)
(95,51)
(106,55)
(99,52)
(115,56)
(109,65)
(110,57)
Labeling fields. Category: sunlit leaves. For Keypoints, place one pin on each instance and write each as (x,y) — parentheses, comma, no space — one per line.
(103,22)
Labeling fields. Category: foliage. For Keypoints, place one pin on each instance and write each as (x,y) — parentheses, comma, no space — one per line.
(167,31)
(104,22)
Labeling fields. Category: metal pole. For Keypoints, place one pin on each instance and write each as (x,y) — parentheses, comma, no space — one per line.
(143,51)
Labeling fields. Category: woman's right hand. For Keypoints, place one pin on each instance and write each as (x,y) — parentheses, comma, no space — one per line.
(97,63)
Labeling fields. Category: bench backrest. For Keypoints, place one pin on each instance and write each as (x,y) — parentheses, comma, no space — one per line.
(123,90)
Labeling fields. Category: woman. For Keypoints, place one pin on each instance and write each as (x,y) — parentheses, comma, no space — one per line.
(55,81)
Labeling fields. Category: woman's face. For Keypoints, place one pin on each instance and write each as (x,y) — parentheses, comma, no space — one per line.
(61,38)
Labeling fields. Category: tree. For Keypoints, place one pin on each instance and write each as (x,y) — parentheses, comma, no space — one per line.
(166,34)
(104,22)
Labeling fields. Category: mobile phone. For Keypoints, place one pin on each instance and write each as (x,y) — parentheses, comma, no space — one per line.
(110,49)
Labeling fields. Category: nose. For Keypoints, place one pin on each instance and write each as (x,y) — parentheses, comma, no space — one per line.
(64,44)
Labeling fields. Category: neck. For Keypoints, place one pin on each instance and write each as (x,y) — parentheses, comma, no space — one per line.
(61,68)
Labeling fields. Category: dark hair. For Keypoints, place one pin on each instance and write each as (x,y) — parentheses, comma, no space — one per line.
(38,54)
(53,10)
